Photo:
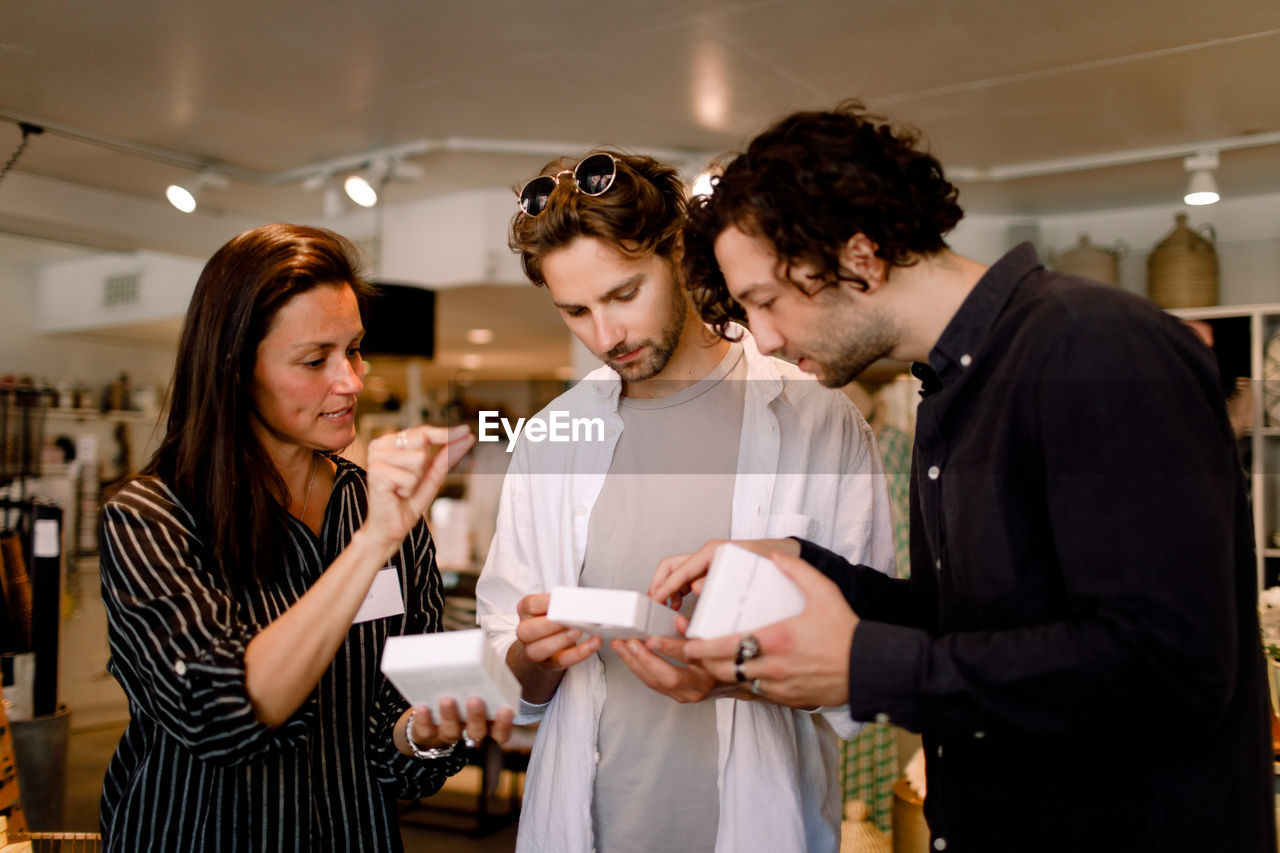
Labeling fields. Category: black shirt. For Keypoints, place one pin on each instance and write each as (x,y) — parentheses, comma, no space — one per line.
(1078,642)
(195,771)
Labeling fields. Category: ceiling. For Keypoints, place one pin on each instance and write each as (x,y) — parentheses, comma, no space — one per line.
(141,94)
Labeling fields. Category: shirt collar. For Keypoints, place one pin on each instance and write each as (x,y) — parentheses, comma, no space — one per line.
(977,314)
(762,374)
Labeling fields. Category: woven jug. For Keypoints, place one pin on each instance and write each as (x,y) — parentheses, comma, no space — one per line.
(858,834)
(1182,270)
(1099,263)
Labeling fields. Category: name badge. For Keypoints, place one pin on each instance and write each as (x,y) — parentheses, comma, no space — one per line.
(384,598)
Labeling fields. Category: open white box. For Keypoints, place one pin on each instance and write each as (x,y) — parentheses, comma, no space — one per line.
(743,591)
(426,668)
(611,613)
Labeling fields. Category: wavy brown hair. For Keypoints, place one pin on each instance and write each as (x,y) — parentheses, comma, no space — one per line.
(808,184)
(210,456)
(642,213)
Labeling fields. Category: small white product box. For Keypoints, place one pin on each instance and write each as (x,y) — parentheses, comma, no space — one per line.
(611,613)
(426,668)
(743,591)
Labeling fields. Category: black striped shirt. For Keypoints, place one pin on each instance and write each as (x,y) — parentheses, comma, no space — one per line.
(194,769)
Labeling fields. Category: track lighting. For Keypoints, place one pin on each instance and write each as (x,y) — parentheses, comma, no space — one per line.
(333,204)
(184,197)
(1202,189)
(363,187)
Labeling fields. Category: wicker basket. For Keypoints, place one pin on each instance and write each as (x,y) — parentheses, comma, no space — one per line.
(1182,270)
(1100,263)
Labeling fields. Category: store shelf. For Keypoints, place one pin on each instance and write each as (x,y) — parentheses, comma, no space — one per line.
(1251,327)
(118,415)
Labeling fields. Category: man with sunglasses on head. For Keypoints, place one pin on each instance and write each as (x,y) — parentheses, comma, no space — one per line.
(703,437)
(1078,641)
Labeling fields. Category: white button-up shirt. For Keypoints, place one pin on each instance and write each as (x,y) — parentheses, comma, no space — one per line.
(809,459)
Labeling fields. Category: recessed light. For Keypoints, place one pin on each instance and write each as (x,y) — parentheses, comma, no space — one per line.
(480,336)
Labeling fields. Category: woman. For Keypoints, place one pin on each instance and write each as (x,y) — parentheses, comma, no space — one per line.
(234,571)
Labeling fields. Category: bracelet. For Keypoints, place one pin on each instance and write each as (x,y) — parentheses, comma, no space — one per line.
(419,752)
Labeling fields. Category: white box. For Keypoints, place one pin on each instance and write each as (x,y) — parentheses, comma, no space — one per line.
(743,591)
(610,613)
(426,668)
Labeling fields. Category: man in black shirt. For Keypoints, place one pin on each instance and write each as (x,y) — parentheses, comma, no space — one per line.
(1078,643)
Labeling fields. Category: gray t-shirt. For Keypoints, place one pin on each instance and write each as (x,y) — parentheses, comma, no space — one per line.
(669,489)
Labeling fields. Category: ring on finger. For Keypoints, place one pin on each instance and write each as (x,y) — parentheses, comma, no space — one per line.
(402,439)
(748,649)
(755,687)
(467,740)
(739,673)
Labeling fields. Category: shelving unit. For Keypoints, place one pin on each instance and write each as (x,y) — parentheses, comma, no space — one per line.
(1262,323)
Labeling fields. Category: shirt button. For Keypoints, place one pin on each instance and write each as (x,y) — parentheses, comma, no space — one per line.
(939,844)
(937,564)
(582,509)
(979,735)
(934,471)
(966,360)
(939,750)
(882,717)
(597,756)
(180,668)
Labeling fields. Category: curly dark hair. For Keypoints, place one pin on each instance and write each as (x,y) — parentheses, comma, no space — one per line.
(640,214)
(808,184)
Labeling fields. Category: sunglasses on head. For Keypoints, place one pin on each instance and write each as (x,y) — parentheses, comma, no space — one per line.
(592,176)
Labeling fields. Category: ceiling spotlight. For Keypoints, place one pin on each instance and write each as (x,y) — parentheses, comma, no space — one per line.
(180,197)
(364,186)
(184,197)
(480,336)
(471,361)
(1202,189)
(359,190)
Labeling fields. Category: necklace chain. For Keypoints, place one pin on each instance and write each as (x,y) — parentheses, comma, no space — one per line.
(311,481)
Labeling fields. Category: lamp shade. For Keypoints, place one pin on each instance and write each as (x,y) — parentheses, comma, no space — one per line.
(1202,189)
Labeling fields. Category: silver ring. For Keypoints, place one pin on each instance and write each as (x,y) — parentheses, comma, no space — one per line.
(748,648)
(467,741)
(739,673)
(755,687)
(402,439)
